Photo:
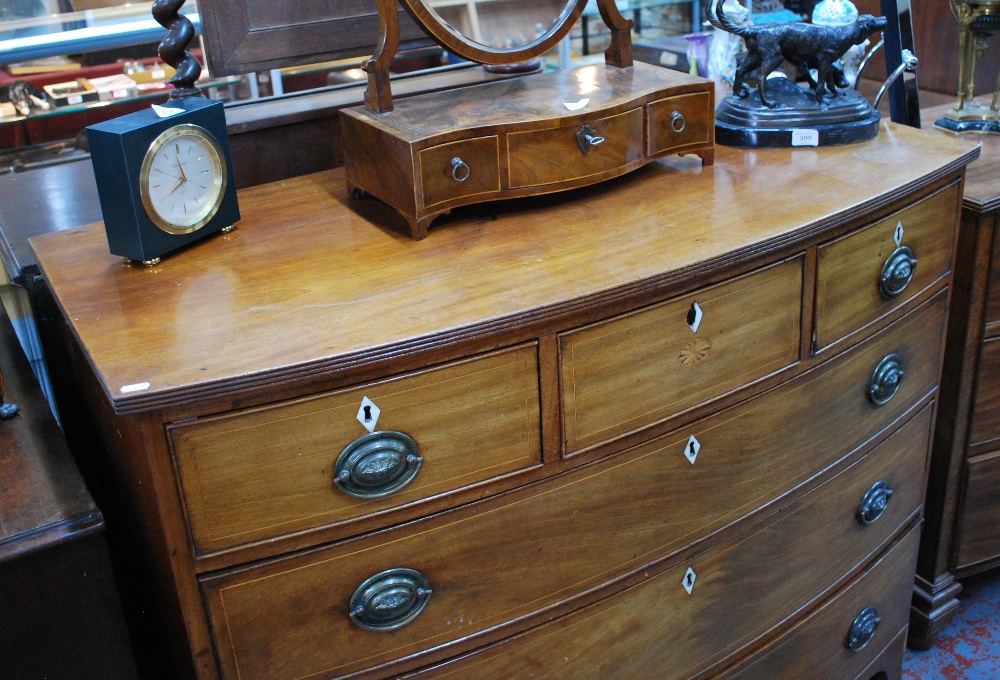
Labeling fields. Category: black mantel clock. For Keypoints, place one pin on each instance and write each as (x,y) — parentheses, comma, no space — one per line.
(164,175)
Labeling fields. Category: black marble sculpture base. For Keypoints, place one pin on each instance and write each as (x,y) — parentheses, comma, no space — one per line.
(796,120)
(991,127)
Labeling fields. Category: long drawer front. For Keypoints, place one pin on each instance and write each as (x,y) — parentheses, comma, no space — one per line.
(512,556)
(841,638)
(270,471)
(737,592)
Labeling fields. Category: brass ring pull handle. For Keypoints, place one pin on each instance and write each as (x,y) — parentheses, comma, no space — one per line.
(897,272)
(677,121)
(874,502)
(587,137)
(863,629)
(377,464)
(460,170)
(885,379)
(390,599)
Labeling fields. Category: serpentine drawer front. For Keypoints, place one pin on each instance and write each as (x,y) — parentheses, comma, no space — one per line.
(738,591)
(631,371)
(870,272)
(561,154)
(674,123)
(465,168)
(272,470)
(668,428)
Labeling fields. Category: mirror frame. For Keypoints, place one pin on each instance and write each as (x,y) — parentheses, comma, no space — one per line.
(378,96)
(457,43)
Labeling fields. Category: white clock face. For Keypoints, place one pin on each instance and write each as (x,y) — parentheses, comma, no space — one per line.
(183,179)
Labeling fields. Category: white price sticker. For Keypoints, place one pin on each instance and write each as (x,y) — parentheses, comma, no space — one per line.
(119,94)
(74,99)
(805,138)
(159,74)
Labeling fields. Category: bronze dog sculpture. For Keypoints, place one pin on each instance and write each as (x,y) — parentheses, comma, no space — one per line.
(806,46)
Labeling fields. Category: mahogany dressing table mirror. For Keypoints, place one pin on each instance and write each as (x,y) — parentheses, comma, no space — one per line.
(523,136)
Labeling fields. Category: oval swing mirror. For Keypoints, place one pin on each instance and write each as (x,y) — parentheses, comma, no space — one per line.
(496,31)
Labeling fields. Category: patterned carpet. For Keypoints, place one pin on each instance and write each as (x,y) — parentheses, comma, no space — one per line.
(969,648)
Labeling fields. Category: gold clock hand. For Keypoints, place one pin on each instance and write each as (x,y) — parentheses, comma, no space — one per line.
(177,186)
(181,168)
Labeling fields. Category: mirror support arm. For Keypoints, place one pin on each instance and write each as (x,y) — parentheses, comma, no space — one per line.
(378,96)
(620,52)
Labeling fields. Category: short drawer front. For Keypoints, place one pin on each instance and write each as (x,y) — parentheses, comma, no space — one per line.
(850,269)
(678,122)
(269,471)
(979,533)
(816,648)
(986,408)
(739,591)
(465,168)
(629,372)
(540,157)
(508,557)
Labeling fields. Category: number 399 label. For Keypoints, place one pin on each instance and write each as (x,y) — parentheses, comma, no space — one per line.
(805,138)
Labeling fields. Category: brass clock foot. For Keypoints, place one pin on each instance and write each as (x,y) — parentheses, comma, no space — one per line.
(226,230)
(129,262)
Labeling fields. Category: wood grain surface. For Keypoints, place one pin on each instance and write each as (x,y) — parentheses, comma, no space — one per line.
(306,285)
(818,541)
(847,282)
(261,473)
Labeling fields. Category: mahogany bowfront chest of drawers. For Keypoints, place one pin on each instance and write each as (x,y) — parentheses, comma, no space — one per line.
(676,425)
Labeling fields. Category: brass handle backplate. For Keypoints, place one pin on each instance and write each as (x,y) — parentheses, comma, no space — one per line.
(885,379)
(897,272)
(587,137)
(390,599)
(874,502)
(377,464)
(863,629)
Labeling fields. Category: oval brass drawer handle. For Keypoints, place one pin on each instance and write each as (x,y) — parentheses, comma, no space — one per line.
(885,379)
(377,464)
(874,502)
(897,272)
(390,599)
(863,629)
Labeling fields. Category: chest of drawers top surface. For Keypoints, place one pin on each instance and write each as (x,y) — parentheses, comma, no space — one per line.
(306,285)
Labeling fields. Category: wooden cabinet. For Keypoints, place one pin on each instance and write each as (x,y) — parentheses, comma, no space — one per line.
(961,535)
(610,440)
(61,617)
